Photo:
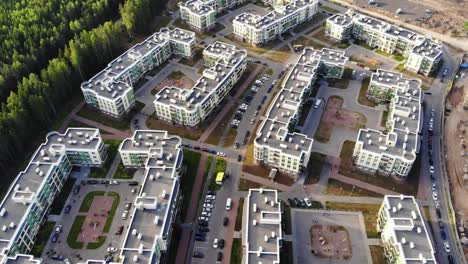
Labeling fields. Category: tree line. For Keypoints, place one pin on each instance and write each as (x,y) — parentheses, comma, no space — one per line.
(29,111)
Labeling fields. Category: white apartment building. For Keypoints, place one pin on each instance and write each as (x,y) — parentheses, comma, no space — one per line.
(111,90)
(423,54)
(198,15)
(392,153)
(27,203)
(404,231)
(190,107)
(201,14)
(262,234)
(259,29)
(153,212)
(275,144)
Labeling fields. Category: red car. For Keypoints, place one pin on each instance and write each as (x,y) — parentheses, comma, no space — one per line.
(205,149)
(196,147)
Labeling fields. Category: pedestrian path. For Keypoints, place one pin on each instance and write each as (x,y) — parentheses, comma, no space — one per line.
(363,185)
(266,182)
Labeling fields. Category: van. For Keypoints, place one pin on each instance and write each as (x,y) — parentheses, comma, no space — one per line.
(317,103)
(228,204)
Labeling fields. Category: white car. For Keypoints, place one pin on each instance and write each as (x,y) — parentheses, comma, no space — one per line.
(58,229)
(215,243)
(274,82)
(434,187)
(437,204)
(111,249)
(447,247)
(207,205)
(221,154)
(206,214)
(212,197)
(431,169)
(67,261)
(308,202)
(434,196)
(114,183)
(202,218)
(252,121)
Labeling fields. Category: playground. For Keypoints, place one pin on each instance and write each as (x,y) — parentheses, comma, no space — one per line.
(330,241)
(95,219)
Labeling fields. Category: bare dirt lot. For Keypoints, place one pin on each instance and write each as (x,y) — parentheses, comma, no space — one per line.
(177,79)
(330,242)
(444,16)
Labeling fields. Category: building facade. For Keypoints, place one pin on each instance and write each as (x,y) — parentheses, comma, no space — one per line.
(393,152)
(153,212)
(201,14)
(403,231)
(262,234)
(259,29)
(276,144)
(111,90)
(423,54)
(190,107)
(28,201)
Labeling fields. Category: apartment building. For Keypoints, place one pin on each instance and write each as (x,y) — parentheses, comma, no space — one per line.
(392,153)
(423,54)
(404,231)
(27,203)
(276,144)
(198,15)
(111,90)
(201,14)
(153,212)
(189,107)
(262,234)
(258,29)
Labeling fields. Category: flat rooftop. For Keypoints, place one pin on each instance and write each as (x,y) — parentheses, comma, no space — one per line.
(26,186)
(198,7)
(409,228)
(280,12)
(404,119)
(229,59)
(343,20)
(263,226)
(109,82)
(151,214)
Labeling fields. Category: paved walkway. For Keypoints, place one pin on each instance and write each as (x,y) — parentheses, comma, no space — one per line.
(363,185)
(113,167)
(185,238)
(267,182)
(228,106)
(230,230)
(70,117)
(114,131)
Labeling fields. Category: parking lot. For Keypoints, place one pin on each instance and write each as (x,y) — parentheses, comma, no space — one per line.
(303,219)
(60,249)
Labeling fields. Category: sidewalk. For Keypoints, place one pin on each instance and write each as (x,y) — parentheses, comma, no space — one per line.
(230,231)
(70,117)
(185,237)
(95,124)
(267,182)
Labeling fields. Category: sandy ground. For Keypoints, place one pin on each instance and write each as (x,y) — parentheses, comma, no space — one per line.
(330,242)
(337,116)
(96,219)
(184,83)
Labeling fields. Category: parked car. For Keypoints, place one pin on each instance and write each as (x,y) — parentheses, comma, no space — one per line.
(67,209)
(198,254)
(434,187)
(111,249)
(124,215)
(431,169)
(220,256)
(221,243)
(202,223)
(203,229)
(127,206)
(225,221)
(200,238)
(207,205)
(205,149)
(447,247)
(443,234)
(239,158)
(215,243)
(58,229)
(196,147)
(91,182)
(236,145)
(57,257)
(297,202)
(132,183)
(76,189)
(114,182)
(434,196)
(291,202)
(55,238)
(308,202)
(203,218)
(119,231)
(450,259)
(105,182)
(67,261)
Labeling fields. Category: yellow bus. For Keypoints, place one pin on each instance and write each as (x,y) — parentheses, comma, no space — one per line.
(220,178)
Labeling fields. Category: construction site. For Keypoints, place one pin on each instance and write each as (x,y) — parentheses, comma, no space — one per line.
(456,136)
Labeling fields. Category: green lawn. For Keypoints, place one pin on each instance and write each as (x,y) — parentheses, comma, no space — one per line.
(123,173)
(240,210)
(88,200)
(236,251)
(329,9)
(93,114)
(95,245)
(191,162)
(110,216)
(362,99)
(336,187)
(245,185)
(369,211)
(60,200)
(75,232)
(41,239)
